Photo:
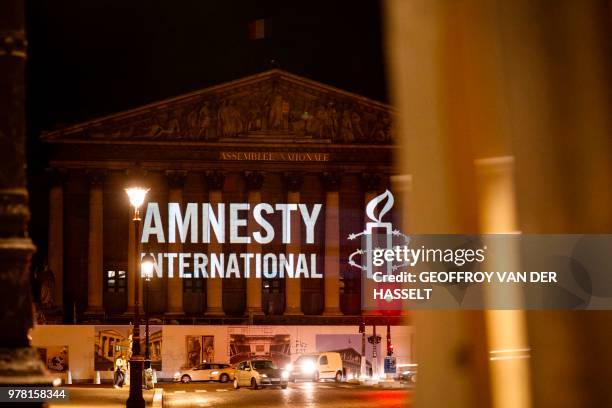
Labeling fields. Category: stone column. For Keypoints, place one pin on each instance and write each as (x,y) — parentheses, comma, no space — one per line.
(371,186)
(55,250)
(332,244)
(293,286)
(20,362)
(214,286)
(254,181)
(96,244)
(506,329)
(176,181)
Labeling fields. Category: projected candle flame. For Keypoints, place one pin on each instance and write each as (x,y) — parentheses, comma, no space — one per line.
(373,204)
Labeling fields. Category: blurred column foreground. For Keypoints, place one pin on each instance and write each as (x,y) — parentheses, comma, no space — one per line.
(19,363)
(505,125)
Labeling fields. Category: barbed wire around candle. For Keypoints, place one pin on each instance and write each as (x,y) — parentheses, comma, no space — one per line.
(387,233)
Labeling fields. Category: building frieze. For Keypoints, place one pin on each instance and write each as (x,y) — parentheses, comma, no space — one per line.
(272,107)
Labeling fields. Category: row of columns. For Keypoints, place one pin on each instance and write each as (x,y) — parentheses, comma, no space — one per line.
(254,182)
(214,298)
(95,251)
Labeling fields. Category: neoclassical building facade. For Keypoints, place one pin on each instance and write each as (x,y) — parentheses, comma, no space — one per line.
(272,137)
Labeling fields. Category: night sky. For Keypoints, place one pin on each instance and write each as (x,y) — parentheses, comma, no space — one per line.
(95,57)
(89,58)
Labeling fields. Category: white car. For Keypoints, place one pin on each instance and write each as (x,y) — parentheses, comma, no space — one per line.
(206,372)
(259,373)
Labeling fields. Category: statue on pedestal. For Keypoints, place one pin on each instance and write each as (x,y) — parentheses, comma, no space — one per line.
(46,283)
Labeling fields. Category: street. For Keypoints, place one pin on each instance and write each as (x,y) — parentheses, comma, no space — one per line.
(204,394)
(300,394)
(98,396)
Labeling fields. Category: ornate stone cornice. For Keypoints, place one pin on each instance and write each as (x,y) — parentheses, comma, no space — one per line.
(13,43)
(254,180)
(293,180)
(371,181)
(331,180)
(176,178)
(214,179)
(56,176)
(136,175)
(14,212)
(96,177)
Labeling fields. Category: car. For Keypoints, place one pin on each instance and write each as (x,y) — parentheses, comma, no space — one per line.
(259,373)
(408,376)
(326,365)
(206,372)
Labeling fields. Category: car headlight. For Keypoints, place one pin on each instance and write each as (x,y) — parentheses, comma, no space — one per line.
(264,376)
(308,367)
(289,367)
(285,374)
(215,373)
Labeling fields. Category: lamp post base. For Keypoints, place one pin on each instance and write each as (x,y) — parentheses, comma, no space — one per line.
(23,366)
(135,400)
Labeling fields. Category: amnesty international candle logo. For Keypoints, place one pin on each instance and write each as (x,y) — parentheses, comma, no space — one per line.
(377,236)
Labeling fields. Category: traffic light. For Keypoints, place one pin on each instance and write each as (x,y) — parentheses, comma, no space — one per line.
(389,344)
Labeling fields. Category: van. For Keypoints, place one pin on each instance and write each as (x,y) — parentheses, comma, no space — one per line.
(315,367)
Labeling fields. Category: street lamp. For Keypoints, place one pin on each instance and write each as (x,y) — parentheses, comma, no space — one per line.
(146,267)
(135,400)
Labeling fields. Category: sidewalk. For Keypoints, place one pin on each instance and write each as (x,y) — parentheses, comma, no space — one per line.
(105,397)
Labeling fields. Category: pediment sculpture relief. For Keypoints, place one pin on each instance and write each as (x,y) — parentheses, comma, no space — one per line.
(274,105)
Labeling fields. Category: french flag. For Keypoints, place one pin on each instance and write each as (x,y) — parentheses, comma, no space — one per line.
(259,29)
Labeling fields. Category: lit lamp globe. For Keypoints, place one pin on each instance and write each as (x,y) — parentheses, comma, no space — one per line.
(137,196)
(146,266)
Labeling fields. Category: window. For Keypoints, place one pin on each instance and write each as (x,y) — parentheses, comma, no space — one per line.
(115,281)
(323,360)
(193,285)
(263,365)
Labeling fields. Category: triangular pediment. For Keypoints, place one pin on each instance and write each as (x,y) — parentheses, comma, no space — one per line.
(271,106)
